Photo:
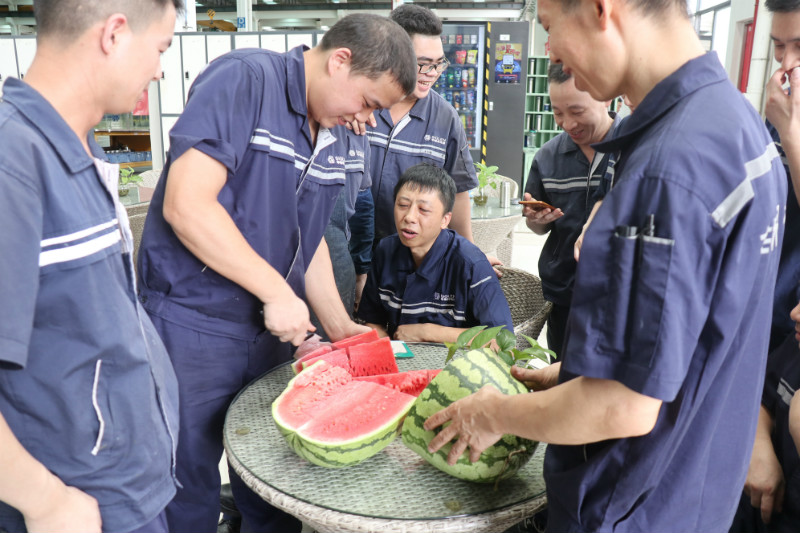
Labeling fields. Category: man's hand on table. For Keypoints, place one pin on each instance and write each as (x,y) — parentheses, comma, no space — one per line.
(471,421)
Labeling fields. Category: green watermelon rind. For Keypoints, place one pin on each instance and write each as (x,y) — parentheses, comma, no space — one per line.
(447,388)
(345,453)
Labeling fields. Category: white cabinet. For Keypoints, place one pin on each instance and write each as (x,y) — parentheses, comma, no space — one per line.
(216,45)
(8,61)
(26,49)
(274,41)
(171,84)
(193,50)
(296,39)
(247,40)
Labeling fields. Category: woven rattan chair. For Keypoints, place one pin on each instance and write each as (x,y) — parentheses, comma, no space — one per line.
(529,309)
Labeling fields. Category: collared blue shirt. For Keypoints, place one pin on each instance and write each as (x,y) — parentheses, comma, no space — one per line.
(562,176)
(85,383)
(431,133)
(780,385)
(787,287)
(454,286)
(248,111)
(681,315)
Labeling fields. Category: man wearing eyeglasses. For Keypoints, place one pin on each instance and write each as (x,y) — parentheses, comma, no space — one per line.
(422,128)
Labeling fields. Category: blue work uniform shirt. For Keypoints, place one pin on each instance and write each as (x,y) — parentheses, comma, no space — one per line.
(431,133)
(787,286)
(681,315)
(86,385)
(562,176)
(454,286)
(780,385)
(248,111)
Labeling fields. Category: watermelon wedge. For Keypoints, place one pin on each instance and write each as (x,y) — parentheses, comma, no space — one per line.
(370,336)
(336,358)
(372,358)
(412,382)
(333,421)
(297,365)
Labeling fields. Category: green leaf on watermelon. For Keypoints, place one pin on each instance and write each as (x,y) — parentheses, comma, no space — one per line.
(506,340)
(485,337)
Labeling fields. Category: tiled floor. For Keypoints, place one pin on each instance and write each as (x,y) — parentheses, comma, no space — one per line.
(525,255)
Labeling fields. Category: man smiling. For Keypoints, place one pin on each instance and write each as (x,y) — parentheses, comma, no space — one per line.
(652,414)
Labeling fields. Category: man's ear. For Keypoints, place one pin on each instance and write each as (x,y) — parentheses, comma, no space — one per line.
(601,12)
(112,32)
(339,59)
(446,219)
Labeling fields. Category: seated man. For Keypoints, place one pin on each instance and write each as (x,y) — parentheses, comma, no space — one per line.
(427,283)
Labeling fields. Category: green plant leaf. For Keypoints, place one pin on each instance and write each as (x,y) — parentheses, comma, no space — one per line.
(492,169)
(485,336)
(507,357)
(451,351)
(463,340)
(506,340)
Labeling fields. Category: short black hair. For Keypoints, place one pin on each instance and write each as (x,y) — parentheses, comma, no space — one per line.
(417,20)
(426,177)
(782,6)
(70,18)
(378,46)
(556,74)
(650,7)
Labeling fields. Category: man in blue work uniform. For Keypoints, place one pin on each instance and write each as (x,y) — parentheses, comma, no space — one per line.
(784,125)
(233,240)
(653,412)
(423,128)
(427,283)
(772,500)
(566,173)
(88,398)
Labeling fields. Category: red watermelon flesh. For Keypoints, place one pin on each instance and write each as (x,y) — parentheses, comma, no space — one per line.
(372,358)
(310,392)
(361,408)
(297,365)
(412,382)
(361,338)
(336,358)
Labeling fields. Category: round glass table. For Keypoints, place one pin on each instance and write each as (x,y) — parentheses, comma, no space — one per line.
(493,228)
(395,490)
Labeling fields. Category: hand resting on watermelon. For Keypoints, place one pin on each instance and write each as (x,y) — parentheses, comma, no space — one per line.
(541,379)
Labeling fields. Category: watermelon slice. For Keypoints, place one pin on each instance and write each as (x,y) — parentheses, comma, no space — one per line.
(297,365)
(370,336)
(333,421)
(372,358)
(337,358)
(412,382)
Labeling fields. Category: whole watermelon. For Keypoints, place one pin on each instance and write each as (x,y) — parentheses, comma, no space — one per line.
(461,377)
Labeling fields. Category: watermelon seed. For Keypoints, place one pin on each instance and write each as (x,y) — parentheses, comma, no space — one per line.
(243,431)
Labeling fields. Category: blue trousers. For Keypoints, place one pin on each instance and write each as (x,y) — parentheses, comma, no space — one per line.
(211,370)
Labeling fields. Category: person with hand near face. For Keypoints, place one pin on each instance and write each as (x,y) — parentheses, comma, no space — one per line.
(427,283)
(233,241)
(565,173)
(88,397)
(651,424)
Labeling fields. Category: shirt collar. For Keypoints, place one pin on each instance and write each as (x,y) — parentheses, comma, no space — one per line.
(46,119)
(420,110)
(689,78)
(296,79)
(432,264)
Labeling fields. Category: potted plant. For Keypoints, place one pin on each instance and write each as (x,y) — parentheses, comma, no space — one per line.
(126,179)
(487,177)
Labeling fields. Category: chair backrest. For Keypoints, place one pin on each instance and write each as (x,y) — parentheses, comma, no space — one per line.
(529,309)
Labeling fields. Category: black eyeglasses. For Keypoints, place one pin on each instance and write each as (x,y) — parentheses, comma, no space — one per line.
(425,68)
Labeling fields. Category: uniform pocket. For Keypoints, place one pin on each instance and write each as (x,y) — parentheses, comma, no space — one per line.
(652,273)
(100,404)
(622,258)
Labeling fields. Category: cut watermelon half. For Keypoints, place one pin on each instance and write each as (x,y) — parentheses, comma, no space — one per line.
(297,365)
(361,338)
(333,421)
(372,358)
(412,382)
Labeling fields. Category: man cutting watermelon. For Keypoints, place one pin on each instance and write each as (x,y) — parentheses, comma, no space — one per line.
(653,412)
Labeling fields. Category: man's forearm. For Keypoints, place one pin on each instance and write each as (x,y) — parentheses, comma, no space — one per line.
(323,295)
(461,222)
(579,411)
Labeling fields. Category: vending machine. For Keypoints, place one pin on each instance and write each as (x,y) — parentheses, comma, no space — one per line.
(486,82)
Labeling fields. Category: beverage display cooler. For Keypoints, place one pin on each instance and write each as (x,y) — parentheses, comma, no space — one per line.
(463,81)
